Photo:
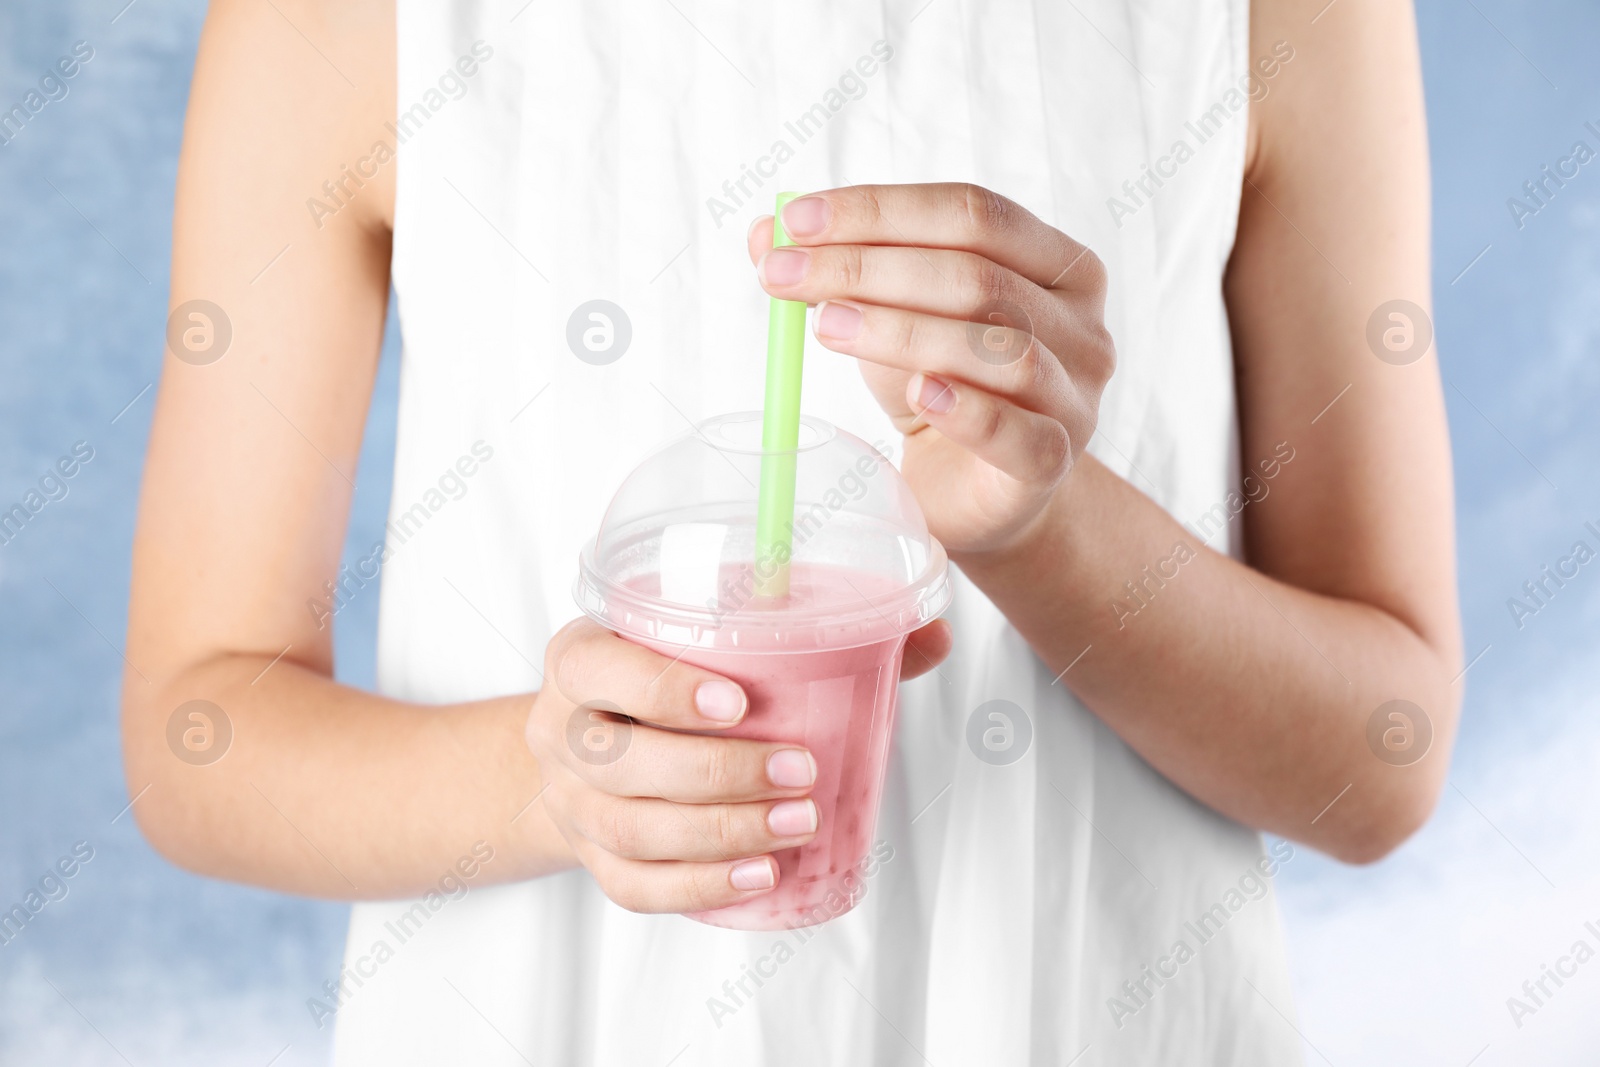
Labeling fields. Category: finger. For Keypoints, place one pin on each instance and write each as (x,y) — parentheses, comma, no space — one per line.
(589,664)
(946,215)
(934,281)
(926,648)
(1031,447)
(668,886)
(1000,359)
(758,238)
(632,760)
(661,830)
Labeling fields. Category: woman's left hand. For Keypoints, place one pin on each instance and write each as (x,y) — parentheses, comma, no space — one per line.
(980,332)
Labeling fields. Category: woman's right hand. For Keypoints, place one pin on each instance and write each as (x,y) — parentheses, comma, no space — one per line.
(665,821)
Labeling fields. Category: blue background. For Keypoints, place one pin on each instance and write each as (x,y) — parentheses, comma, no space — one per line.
(1410,961)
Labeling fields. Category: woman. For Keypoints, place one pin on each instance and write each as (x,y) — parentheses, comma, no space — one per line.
(1196,583)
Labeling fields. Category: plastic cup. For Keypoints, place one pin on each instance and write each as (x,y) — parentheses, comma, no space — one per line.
(674,567)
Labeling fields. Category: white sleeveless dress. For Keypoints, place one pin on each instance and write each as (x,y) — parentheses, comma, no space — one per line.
(1030,912)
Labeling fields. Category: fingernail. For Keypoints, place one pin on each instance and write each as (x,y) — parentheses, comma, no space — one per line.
(934,395)
(720,701)
(753,874)
(793,818)
(784,266)
(791,768)
(806,216)
(841,322)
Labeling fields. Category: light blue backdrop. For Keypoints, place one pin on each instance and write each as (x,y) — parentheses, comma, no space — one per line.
(1410,961)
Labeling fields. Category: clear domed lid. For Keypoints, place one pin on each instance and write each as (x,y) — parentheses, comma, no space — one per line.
(676,559)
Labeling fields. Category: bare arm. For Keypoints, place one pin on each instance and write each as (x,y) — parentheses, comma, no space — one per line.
(247,491)
(1269,670)
(1248,684)
(324,789)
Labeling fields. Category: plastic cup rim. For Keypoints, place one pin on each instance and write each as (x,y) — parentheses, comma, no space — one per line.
(925,598)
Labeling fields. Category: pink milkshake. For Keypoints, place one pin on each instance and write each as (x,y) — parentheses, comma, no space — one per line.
(673,568)
(840,705)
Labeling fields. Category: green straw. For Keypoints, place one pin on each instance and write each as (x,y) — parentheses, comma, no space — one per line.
(780,431)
